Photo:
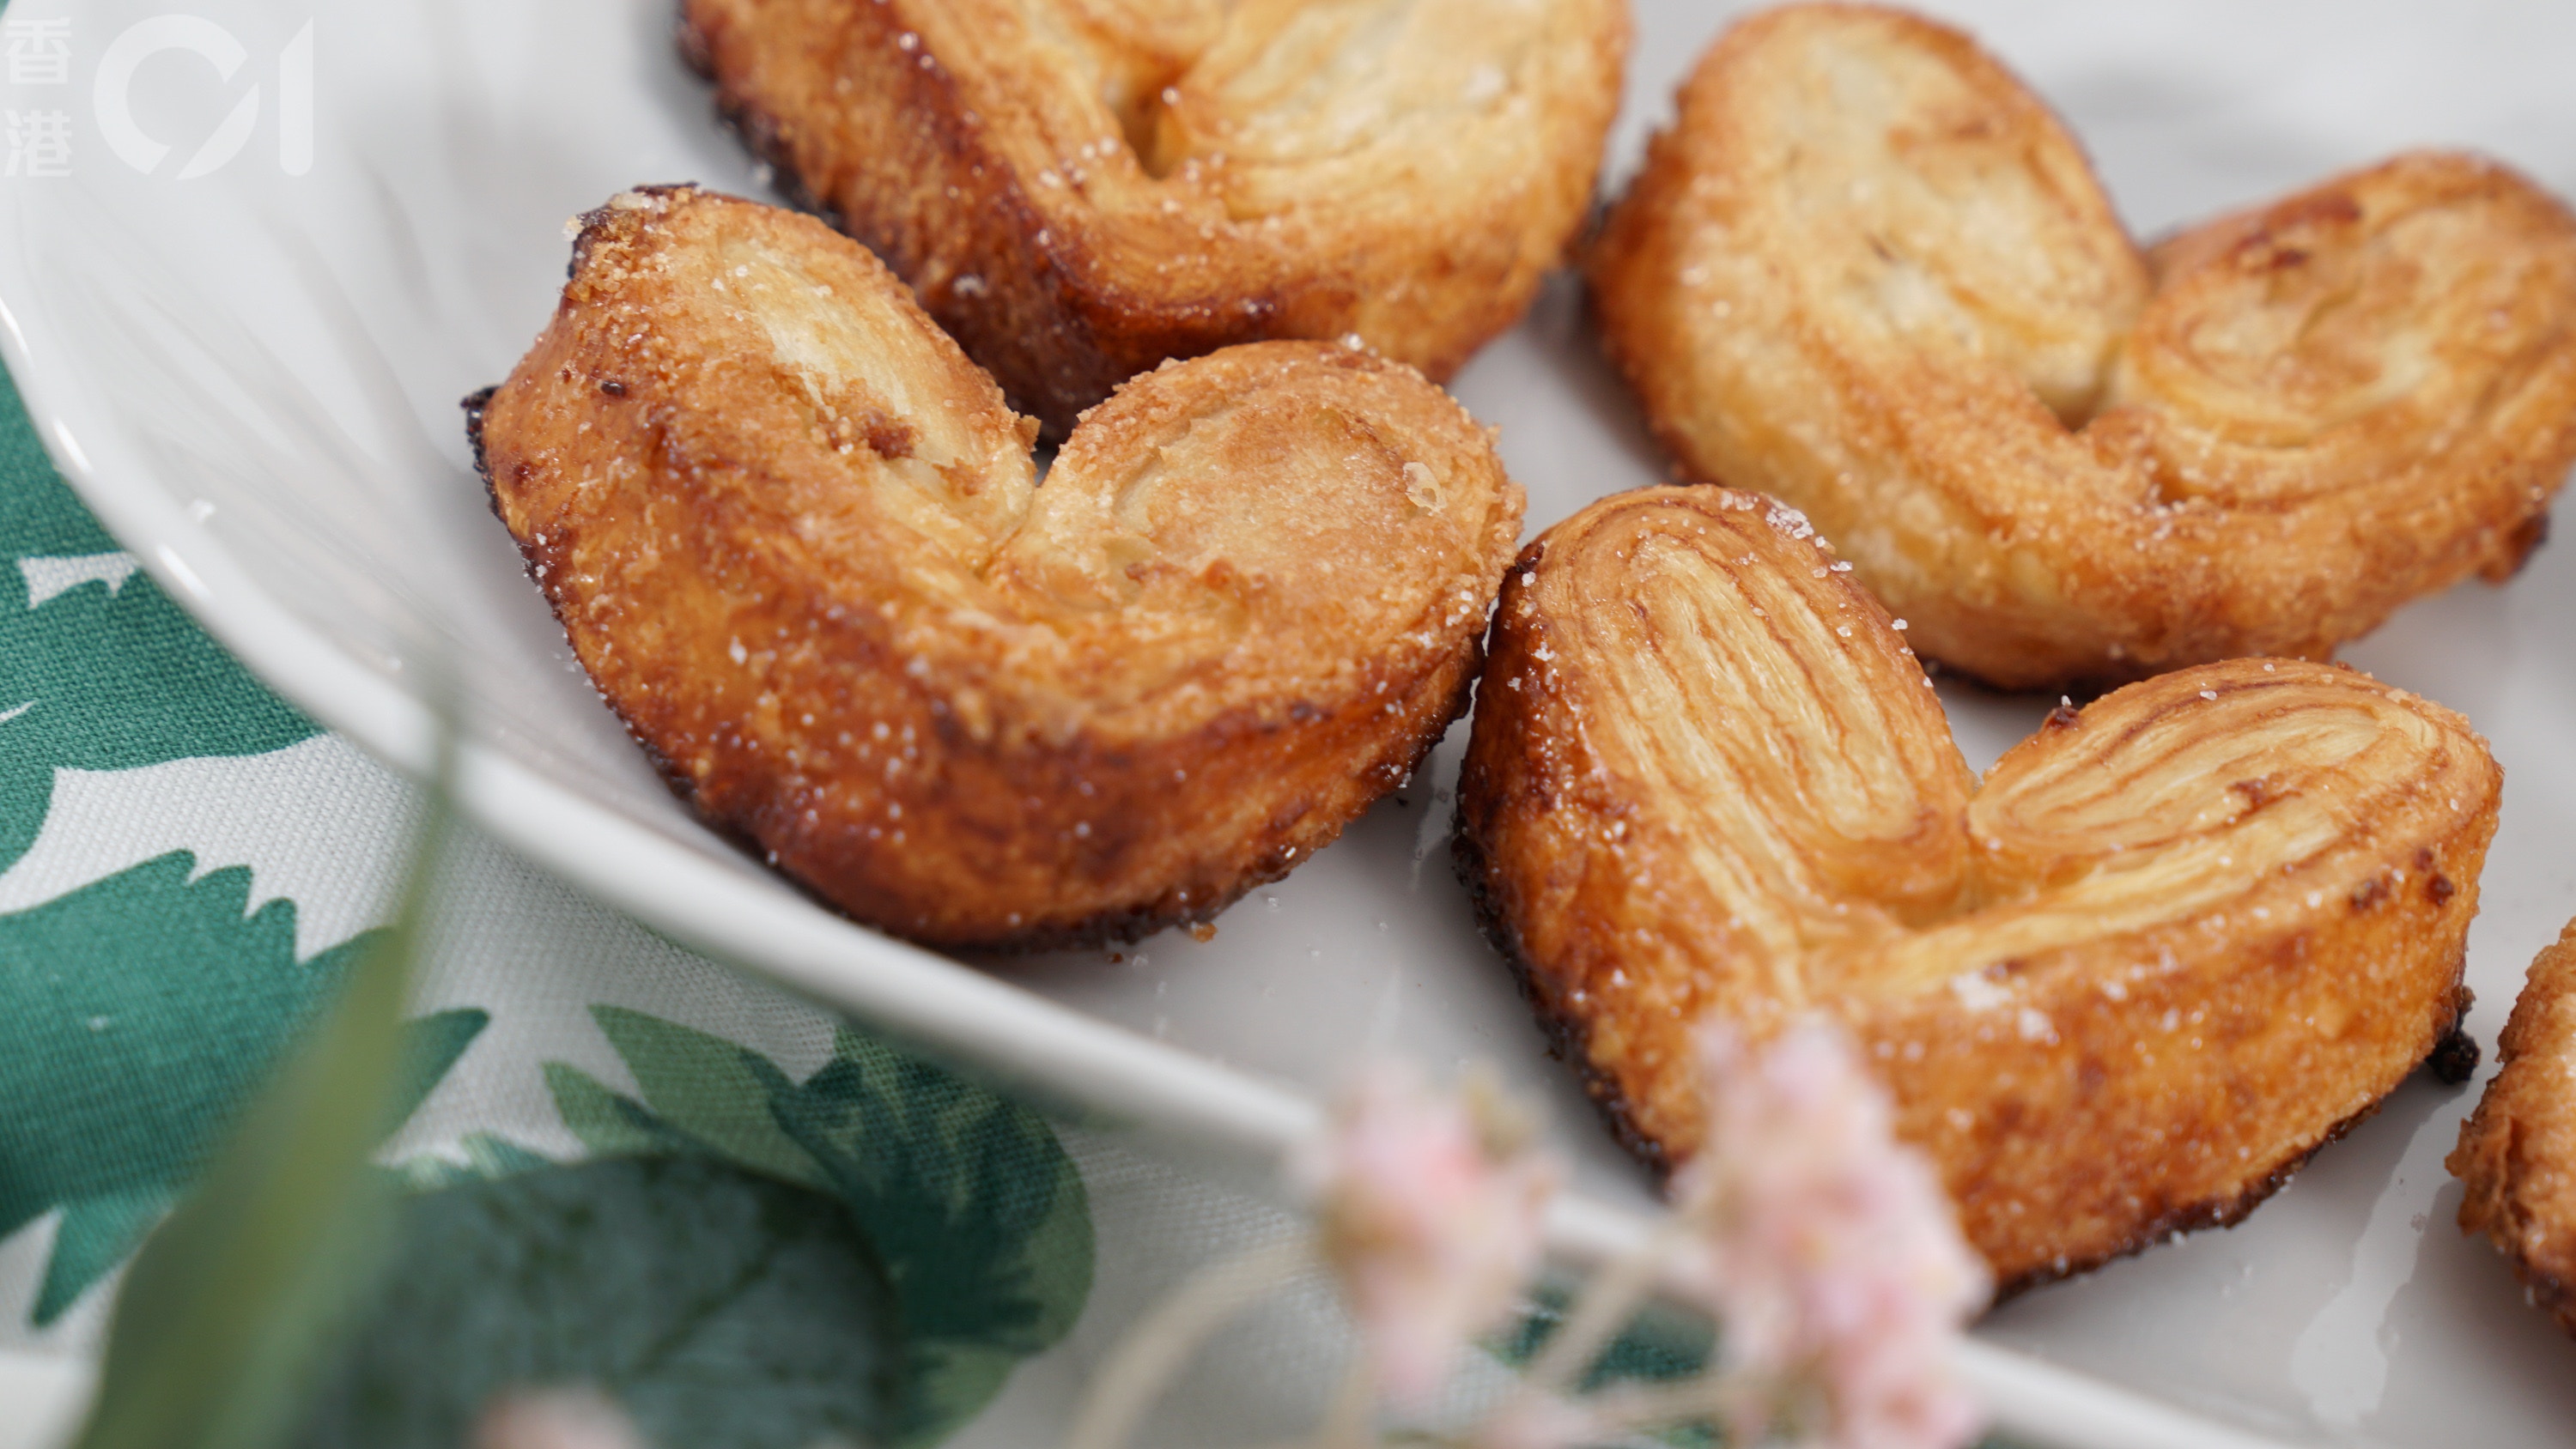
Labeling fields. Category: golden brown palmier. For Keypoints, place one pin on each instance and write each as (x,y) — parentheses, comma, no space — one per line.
(1868,272)
(799,543)
(1079,189)
(2125,985)
(2517,1152)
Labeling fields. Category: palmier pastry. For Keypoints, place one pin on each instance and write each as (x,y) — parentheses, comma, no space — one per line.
(1868,272)
(798,541)
(1079,189)
(2517,1152)
(2123,986)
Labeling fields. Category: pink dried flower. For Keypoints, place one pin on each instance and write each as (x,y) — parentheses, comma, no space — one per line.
(554,1419)
(1828,1250)
(1429,1206)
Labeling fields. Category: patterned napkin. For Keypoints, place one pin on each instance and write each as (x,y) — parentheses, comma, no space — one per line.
(744,1220)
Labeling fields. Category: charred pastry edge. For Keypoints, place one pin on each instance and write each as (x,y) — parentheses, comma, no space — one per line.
(758,130)
(1134,923)
(2527,539)
(672,777)
(2550,1293)
(1116,926)
(2454,1059)
(1567,1036)
(599,216)
(695,53)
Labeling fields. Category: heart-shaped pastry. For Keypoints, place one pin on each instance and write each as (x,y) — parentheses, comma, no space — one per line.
(2517,1152)
(2170,945)
(800,544)
(1869,273)
(1079,189)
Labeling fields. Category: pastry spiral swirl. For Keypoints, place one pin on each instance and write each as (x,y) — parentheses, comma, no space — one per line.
(2517,1152)
(2124,985)
(798,541)
(1868,272)
(1078,189)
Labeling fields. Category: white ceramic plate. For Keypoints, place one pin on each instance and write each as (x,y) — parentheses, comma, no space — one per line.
(251,373)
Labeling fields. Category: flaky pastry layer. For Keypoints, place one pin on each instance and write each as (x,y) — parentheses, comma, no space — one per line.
(1868,272)
(2517,1152)
(799,543)
(2121,987)
(1078,189)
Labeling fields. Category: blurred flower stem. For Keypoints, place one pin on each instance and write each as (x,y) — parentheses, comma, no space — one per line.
(1609,1299)
(1163,1341)
(224,1316)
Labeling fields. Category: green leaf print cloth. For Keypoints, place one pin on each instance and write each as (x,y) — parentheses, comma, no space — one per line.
(622,1167)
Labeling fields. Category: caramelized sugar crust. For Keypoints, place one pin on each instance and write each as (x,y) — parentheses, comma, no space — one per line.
(1868,272)
(799,543)
(2517,1152)
(1078,189)
(2122,986)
